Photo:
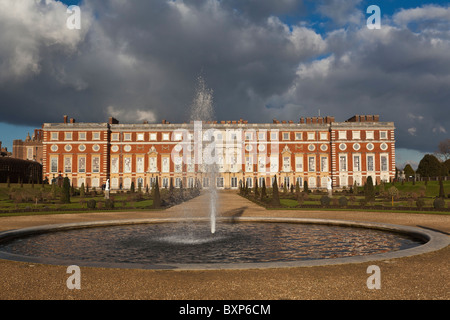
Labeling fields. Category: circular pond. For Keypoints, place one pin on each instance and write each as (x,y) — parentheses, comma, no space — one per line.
(190,243)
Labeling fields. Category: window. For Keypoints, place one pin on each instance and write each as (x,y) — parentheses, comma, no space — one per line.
(311,135)
(286,163)
(357,163)
(115,136)
(261,163)
(262,135)
(115,165)
(343,163)
(96,136)
(54,165)
(274,164)
(248,135)
(356,134)
(165,164)
(311,164)
(127,164)
(249,183)
(140,137)
(153,167)
(298,136)
(273,136)
(384,163)
(165,182)
(153,137)
(324,164)
(96,164)
(219,182)
(166,136)
(299,163)
(177,136)
(54,136)
(178,162)
(82,164)
(29,153)
(81,135)
(191,183)
(249,164)
(67,164)
(127,136)
(383,135)
(68,136)
(234,182)
(370,163)
(286,182)
(140,164)
(369,135)
(261,181)
(299,182)
(285,135)
(323,136)
(343,135)
(178,183)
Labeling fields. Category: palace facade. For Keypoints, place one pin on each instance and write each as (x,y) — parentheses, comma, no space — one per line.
(312,149)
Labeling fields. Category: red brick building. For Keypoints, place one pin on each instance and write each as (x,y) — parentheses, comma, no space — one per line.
(31,149)
(312,150)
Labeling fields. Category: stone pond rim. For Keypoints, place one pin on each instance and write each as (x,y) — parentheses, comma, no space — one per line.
(433,241)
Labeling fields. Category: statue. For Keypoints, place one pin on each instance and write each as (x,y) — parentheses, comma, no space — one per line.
(107,189)
(329,187)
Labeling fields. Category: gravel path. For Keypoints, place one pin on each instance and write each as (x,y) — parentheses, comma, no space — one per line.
(424,276)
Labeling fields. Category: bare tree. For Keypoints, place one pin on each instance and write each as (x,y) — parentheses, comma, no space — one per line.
(443,151)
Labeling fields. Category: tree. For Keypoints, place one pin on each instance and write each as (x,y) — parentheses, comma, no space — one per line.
(443,151)
(263,190)
(447,167)
(156,196)
(275,195)
(409,171)
(65,193)
(255,189)
(441,189)
(429,166)
(369,189)
(305,187)
(82,192)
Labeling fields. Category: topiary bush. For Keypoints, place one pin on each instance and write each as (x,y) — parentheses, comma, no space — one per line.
(343,201)
(91,204)
(325,200)
(420,203)
(109,204)
(439,203)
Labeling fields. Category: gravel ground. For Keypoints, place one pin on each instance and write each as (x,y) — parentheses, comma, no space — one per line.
(419,277)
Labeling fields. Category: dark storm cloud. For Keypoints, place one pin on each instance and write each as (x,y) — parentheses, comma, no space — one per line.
(139,60)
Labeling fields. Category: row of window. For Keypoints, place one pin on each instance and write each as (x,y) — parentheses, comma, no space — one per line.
(233,135)
(314,164)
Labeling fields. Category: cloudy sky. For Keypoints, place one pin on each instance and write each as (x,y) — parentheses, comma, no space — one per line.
(263,59)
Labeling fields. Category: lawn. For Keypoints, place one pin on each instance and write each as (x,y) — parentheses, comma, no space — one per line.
(30,198)
(406,199)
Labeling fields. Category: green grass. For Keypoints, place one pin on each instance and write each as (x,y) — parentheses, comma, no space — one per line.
(27,198)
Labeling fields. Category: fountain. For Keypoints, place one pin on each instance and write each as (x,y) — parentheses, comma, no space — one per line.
(202,111)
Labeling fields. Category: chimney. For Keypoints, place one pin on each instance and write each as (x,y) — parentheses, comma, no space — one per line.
(376,118)
(72,120)
(113,120)
(302,120)
(66,119)
(369,118)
